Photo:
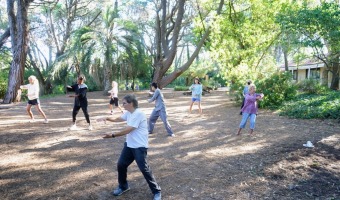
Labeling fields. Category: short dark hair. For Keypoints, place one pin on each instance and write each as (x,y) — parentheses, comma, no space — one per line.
(81,77)
(154,85)
(130,98)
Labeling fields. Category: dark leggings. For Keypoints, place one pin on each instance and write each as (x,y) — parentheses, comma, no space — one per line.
(139,155)
(76,110)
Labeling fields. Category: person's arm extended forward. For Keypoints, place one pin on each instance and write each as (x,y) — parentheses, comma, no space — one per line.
(155,95)
(118,119)
(23,87)
(125,131)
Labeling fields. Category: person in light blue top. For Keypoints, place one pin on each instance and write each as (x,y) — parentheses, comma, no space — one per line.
(196,90)
(158,111)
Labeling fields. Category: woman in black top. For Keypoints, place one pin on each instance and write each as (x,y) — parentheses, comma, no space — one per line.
(80,101)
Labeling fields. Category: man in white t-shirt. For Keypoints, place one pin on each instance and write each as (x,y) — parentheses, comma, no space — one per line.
(135,147)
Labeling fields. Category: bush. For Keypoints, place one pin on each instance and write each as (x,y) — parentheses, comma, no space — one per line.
(59,89)
(3,88)
(237,89)
(312,86)
(276,89)
(310,106)
(181,88)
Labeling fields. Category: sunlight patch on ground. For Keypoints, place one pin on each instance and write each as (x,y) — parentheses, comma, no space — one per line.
(83,175)
(27,121)
(190,133)
(233,151)
(333,140)
(192,154)
(48,144)
(23,159)
(58,103)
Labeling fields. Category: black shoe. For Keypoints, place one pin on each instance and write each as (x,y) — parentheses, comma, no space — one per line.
(240,113)
(119,191)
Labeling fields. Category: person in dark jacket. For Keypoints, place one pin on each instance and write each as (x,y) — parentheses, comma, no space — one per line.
(80,101)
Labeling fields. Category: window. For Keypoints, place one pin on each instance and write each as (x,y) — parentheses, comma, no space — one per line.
(295,73)
(315,73)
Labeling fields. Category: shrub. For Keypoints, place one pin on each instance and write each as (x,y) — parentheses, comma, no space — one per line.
(59,89)
(276,89)
(181,88)
(3,88)
(310,106)
(312,86)
(237,88)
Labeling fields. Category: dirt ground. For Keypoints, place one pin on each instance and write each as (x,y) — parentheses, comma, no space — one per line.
(206,160)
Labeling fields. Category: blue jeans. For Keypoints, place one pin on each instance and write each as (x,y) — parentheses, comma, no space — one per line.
(245,117)
(153,118)
(127,156)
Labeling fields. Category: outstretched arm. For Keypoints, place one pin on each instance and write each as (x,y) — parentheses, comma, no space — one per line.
(155,95)
(23,87)
(125,131)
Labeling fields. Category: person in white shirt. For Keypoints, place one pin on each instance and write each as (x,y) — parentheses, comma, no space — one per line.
(135,148)
(114,97)
(33,97)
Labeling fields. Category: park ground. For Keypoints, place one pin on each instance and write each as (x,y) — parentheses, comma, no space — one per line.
(206,160)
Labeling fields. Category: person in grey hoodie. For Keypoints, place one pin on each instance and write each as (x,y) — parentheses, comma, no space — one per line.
(158,111)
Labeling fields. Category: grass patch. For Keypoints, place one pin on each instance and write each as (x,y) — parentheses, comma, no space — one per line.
(181,88)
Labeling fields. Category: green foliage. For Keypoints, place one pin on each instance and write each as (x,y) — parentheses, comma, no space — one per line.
(312,86)
(3,82)
(237,86)
(315,24)
(3,88)
(310,106)
(241,36)
(59,89)
(91,84)
(276,89)
(181,88)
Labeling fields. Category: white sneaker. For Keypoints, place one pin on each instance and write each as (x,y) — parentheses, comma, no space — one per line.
(111,112)
(32,120)
(73,127)
(90,127)
(46,121)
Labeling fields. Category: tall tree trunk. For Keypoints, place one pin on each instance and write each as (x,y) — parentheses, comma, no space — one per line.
(335,75)
(166,50)
(285,57)
(19,36)
(107,77)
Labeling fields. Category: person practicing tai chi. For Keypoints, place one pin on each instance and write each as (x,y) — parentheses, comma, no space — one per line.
(114,97)
(33,97)
(196,96)
(159,111)
(250,108)
(244,92)
(135,148)
(80,101)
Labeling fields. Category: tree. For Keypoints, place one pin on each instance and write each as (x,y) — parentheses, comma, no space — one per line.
(318,28)
(173,22)
(54,23)
(242,38)
(18,25)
